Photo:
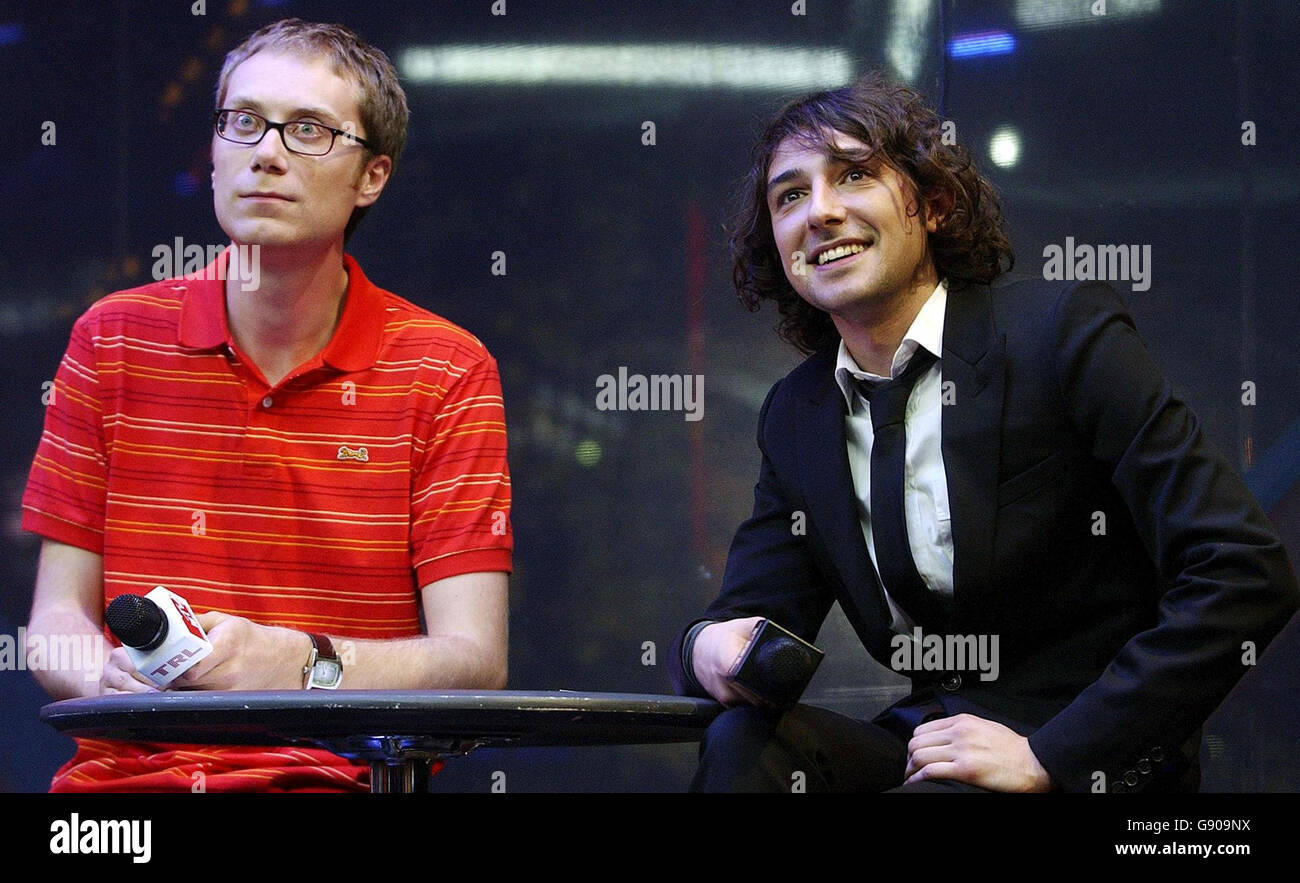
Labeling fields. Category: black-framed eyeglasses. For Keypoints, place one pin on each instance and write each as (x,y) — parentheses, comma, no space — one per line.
(307,137)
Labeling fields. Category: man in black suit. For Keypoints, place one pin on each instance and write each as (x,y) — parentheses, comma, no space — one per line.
(1007,461)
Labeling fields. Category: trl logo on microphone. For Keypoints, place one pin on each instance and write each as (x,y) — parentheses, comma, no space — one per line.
(174,663)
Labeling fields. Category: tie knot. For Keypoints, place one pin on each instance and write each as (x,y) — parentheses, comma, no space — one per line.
(889,400)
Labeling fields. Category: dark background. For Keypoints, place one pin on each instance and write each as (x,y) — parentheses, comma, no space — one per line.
(1130,131)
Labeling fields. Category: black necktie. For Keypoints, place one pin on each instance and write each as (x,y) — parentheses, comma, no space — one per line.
(888,521)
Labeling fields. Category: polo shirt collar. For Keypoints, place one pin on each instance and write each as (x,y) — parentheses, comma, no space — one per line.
(355,344)
(353,347)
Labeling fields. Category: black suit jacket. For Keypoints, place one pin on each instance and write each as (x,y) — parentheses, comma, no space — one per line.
(1114,646)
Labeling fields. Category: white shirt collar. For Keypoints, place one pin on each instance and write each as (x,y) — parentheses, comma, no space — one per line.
(926,331)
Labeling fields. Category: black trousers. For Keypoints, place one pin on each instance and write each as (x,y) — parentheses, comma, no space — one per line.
(748,749)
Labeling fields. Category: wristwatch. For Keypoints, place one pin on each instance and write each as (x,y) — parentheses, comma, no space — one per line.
(323,670)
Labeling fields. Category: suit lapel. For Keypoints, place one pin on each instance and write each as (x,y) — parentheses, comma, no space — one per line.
(974,361)
(824,470)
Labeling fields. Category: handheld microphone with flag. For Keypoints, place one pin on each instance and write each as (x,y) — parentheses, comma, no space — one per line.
(160,632)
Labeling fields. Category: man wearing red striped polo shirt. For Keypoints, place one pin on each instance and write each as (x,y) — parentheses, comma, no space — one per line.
(307,459)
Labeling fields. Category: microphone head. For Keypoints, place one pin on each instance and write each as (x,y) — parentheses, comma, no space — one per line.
(136,621)
(784,663)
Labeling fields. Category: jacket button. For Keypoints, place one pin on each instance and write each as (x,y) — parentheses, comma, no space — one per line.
(1157,754)
(952,683)
(1131,778)
(1144,766)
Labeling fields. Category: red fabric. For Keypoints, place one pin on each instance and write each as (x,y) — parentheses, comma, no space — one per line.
(103,766)
(321,504)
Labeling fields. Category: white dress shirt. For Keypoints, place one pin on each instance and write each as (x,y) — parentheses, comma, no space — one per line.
(925,483)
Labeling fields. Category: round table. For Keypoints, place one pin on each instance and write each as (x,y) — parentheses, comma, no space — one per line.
(400,732)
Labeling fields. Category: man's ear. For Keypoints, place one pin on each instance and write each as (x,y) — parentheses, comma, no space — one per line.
(372,179)
(938,205)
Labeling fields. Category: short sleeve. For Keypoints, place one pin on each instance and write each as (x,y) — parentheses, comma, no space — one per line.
(66,488)
(460,491)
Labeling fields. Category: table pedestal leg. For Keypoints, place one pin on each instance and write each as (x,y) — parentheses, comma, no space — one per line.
(404,775)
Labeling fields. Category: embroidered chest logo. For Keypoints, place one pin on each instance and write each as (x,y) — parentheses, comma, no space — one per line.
(346,453)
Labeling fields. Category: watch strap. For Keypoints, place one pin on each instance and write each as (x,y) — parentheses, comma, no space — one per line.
(323,646)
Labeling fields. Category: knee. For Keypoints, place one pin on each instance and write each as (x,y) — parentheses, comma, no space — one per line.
(737,728)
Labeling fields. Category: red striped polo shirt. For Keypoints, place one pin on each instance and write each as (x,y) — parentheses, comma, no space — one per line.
(321,504)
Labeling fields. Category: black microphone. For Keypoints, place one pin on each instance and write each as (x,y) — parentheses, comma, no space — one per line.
(785,663)
(160,632)
(136,621)
(777,665)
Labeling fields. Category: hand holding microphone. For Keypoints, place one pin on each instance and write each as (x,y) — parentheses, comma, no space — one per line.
(159,633)
(776,666)
(753,661)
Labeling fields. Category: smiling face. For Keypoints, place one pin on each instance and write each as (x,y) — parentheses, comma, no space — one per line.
(266,195)
(857,224)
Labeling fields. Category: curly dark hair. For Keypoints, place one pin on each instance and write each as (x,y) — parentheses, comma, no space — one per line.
(899,128)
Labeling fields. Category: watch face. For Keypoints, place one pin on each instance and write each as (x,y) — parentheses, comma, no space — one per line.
(326,674)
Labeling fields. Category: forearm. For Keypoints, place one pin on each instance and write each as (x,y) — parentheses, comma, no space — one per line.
(253,657)
(466,617)
(423,663)
(65,652)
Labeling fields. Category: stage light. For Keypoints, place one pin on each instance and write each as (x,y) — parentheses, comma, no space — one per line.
(982,43)
(588,452)
(684,65)
(909,29)
(1037,15)
(1004,147)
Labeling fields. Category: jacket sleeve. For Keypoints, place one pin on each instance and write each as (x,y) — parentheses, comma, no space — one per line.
(1226,585)
(770,571)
